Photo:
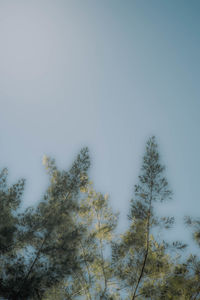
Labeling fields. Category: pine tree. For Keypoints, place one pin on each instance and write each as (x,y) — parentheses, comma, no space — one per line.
(141,261)
(184,281)
(61,248)
(10,243)
(93,278)
(50,235)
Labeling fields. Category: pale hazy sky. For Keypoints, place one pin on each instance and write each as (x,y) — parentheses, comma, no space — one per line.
(105,74)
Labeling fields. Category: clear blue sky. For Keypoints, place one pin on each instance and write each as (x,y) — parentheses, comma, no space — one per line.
(107,75)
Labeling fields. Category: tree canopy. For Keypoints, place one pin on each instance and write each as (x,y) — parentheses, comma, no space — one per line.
(69,246)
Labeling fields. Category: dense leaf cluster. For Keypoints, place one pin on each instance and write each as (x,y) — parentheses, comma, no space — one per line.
(68,247)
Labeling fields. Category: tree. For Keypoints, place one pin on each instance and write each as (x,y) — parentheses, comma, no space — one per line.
(66,247)
(10,200)
(96,215)
(94,277)
(49,233)
(184,282)
(141,261)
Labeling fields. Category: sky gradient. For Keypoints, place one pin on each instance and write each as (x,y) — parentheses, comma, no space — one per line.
(107,75)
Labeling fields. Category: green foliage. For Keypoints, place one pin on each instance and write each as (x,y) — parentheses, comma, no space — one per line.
(10,259)
(67,246)
(195,225)
(93,279)
(49,235)
(9,202)
(141,261)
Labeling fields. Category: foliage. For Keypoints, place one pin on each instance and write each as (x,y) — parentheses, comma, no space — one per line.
(68,246)
(93,278)
(141,261)
(49,234)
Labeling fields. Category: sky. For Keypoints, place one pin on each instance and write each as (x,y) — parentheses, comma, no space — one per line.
(107,75)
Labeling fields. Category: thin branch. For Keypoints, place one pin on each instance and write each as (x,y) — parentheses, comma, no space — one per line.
(32,265)
(147,246)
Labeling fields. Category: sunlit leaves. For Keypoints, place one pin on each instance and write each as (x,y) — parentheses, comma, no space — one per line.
(66,247)
(44,239)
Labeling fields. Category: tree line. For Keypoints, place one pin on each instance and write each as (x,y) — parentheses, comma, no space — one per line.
(67,247)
